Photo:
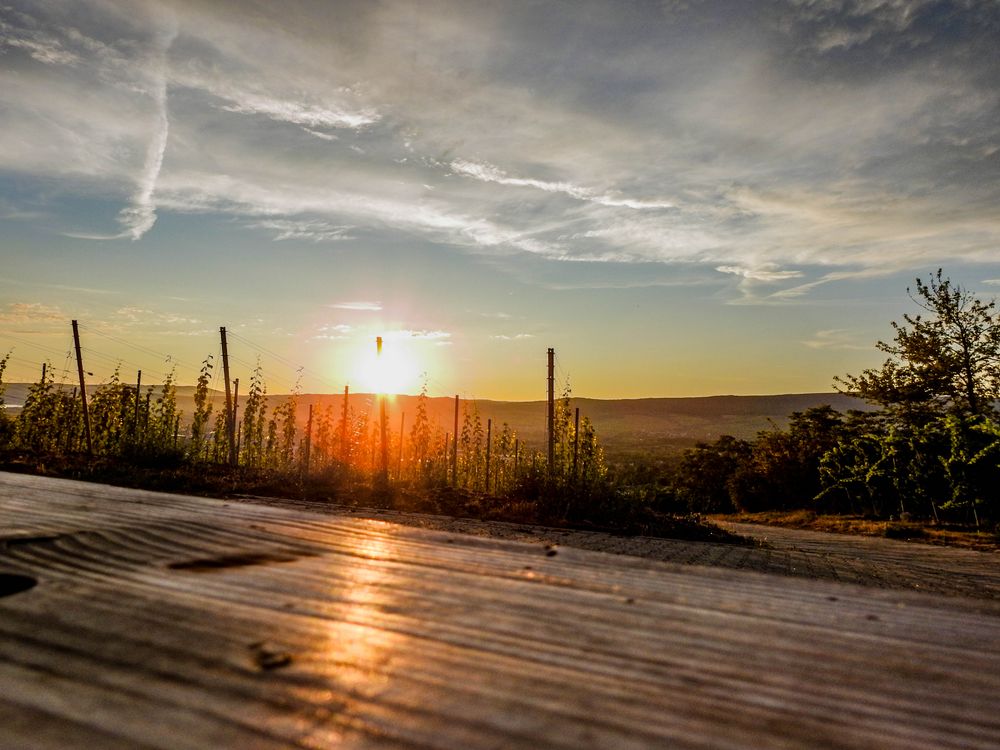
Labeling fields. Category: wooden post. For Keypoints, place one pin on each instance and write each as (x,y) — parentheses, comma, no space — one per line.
(309,432)
(551,421)
(236,425)
(236,400)
(343,428)
(489,442)
(454,449)
(230,424)
(383,424)
(44,367)
(399,466)
(83,389)
(177,429)
(576,440)
(138,387)
(445,454)
(70,436)
(123,405)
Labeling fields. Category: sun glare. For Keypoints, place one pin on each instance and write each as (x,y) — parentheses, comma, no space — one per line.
(395,371)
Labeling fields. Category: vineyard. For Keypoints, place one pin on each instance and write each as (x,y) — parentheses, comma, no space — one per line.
(336,448)
(925,445)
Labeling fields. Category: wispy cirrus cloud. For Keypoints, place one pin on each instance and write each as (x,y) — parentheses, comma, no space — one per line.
(424,335)
(139,218)
(41,46)
(299,113)
(332,332)
(512,337)
(836,338)
(831,137)
(135,315)
(313,230)
(358,305)
(765,273)
(491,173)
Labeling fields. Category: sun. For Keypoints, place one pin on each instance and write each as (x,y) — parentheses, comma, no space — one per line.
(396,370)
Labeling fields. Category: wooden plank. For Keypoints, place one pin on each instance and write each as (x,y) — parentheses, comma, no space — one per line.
(165,621)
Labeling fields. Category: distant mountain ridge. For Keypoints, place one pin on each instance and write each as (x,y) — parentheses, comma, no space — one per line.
(658,426)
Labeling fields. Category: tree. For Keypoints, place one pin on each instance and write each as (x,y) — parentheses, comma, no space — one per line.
(936,447)
(946,362)
(703,478)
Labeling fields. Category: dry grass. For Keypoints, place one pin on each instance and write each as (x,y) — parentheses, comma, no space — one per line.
(919,531)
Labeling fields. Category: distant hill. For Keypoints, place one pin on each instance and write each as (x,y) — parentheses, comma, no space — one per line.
(657,426)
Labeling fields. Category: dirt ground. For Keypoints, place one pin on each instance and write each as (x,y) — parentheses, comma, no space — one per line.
(952,536)
(863,560)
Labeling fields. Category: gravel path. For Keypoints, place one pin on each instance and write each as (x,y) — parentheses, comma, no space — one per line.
(863,560)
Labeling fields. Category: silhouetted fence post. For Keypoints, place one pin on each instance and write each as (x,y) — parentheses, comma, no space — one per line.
(454,449)
(135,418)
(551,421)
(236,425)
(383,424)
(308,446)
(446,458)
(576,440)
(399,465)
(344,454)
(83,389)
(230,425)
(489,443)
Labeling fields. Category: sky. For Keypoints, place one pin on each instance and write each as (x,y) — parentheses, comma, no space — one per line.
(681,198)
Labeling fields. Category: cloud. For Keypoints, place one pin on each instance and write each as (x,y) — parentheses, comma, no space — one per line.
(43,48)
(299,113)
(321,134)
(103,113)
(139,218)
(513,337)
(333,332)
(781,145)
(313,230)
(424,335)
(132,315)
(360,305)
(491,173)
(764,274)
(835,338)
(31,312)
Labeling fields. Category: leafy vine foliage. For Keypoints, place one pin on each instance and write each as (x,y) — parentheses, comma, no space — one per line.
(930,446)
(340,455)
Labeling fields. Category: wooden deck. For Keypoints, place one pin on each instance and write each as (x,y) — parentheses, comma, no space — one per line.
(162,621)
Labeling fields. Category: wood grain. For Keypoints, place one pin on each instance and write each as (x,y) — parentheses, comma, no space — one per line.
(162,621)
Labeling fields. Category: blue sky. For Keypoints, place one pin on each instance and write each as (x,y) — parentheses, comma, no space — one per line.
(682,198)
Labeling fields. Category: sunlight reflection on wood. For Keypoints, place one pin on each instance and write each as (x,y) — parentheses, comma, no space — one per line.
(347,632)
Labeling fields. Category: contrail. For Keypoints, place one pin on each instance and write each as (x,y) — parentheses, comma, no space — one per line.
(138,218)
